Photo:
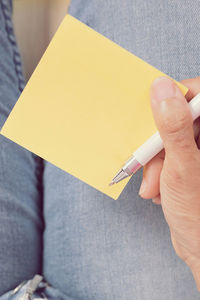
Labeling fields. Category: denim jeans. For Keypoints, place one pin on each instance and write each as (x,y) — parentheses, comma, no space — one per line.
(86,245)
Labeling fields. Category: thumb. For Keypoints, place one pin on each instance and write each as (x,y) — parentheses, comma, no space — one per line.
(173,119)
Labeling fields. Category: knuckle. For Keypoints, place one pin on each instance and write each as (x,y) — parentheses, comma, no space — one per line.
(174,174)
(174,122)
(176,129)
(179,139)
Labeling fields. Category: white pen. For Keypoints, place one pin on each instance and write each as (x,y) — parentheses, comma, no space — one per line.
(150,148)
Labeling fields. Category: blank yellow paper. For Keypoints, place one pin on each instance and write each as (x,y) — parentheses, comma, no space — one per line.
(86,107)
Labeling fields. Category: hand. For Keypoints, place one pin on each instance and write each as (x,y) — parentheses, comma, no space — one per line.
(172,177)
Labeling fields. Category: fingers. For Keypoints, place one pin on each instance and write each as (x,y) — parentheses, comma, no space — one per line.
(157,200)
(194,87)
(173,119)
(196,128)
(150,186)
(177,130)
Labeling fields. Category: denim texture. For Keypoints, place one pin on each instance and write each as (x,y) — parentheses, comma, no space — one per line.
(21,222)
(36,288)
(95,248)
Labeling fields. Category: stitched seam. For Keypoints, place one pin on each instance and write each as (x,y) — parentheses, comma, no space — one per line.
(6,7)
(11,36)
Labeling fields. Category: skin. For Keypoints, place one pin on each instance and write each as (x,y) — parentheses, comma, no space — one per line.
(172,177)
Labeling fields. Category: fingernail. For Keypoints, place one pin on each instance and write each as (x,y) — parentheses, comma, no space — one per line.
(162,88)
(155,200)
(142,187)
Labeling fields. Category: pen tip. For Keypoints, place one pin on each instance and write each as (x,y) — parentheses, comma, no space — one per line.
(112,182)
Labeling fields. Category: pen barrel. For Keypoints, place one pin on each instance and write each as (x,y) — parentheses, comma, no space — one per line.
(194,105)
(149,149)
(155,144)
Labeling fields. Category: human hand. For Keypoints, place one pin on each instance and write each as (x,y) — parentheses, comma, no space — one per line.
(172,177)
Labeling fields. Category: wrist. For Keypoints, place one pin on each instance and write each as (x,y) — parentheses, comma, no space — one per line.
(196,275)
(194,265)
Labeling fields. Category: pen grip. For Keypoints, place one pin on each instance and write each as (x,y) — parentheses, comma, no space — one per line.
(194,105)
(155,144)
(149,149)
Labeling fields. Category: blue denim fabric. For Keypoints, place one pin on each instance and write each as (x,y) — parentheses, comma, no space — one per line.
(95,248)
(36,288)
(21,222)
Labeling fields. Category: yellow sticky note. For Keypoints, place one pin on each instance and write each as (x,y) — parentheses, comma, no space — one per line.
(86,108)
